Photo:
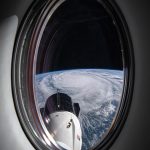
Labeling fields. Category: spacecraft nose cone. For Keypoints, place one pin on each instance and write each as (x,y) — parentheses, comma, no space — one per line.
(62,122)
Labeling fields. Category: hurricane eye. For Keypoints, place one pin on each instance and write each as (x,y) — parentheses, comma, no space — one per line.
(74,74)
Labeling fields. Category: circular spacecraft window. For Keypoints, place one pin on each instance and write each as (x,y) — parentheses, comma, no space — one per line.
(73,68)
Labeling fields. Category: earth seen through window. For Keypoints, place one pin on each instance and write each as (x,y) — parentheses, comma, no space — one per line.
(90,98)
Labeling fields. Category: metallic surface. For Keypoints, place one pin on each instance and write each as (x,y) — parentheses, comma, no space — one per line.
(11,134)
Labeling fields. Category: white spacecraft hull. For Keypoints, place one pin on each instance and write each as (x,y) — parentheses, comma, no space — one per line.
(65,129)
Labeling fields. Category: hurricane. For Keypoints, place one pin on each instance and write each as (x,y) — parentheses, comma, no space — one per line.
(98,92)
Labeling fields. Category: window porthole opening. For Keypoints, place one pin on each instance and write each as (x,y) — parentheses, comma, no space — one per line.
(79,46)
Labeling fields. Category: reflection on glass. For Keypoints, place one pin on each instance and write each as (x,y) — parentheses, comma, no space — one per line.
(79,106)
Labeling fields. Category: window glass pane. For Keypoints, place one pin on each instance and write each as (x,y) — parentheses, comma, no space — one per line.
(79,75)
